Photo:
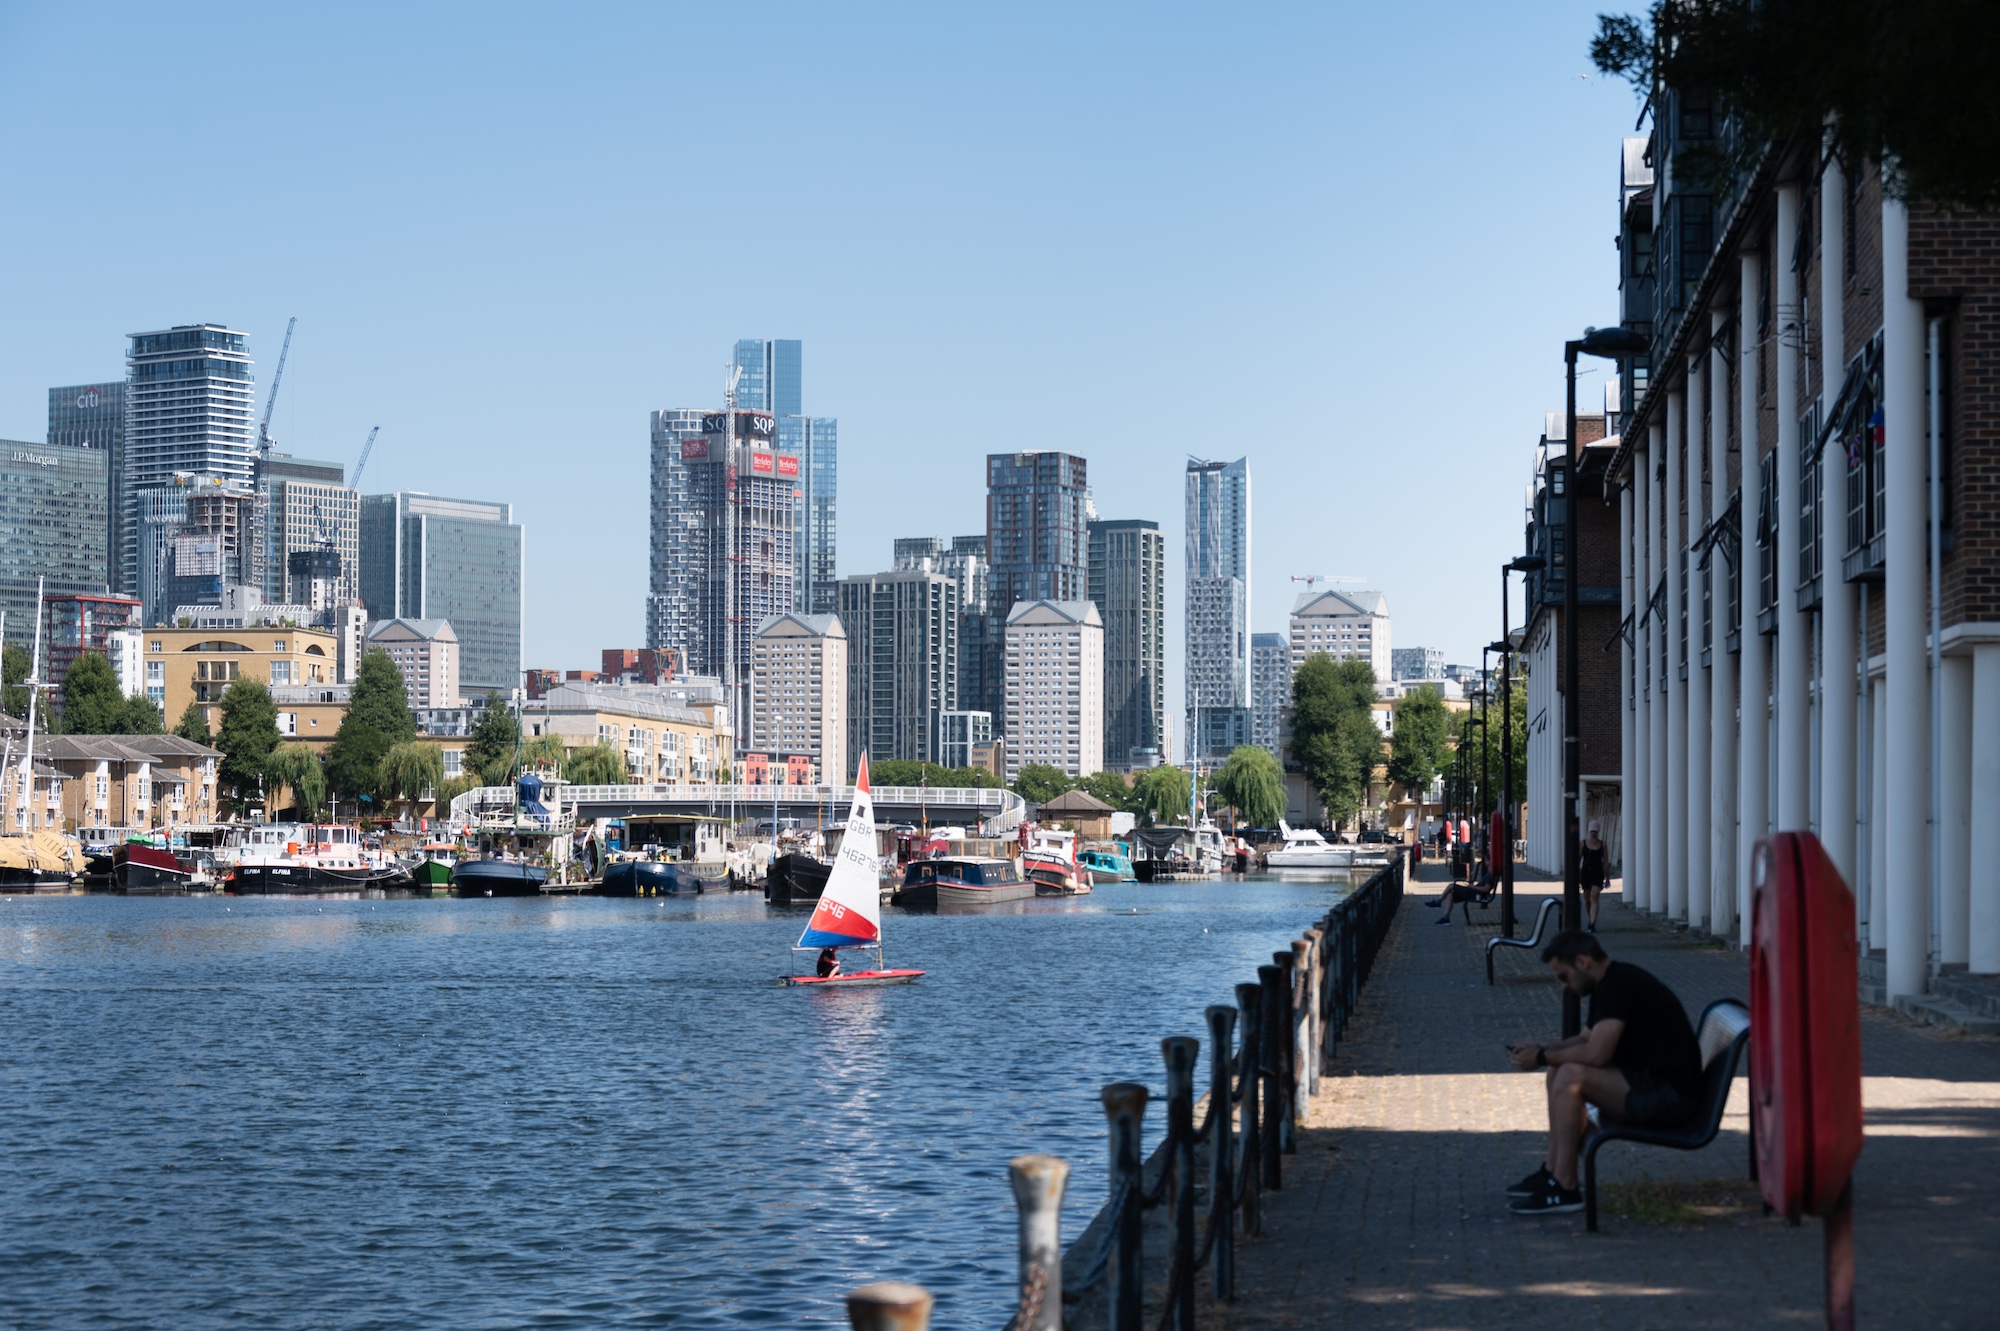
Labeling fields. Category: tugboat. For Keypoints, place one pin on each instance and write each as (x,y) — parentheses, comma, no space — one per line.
(648,878)
(138,866)
(312,857)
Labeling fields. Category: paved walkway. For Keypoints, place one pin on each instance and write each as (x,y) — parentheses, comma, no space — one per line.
(1393,1214)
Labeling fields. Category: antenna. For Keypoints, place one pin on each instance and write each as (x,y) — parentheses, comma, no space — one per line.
(1310,578)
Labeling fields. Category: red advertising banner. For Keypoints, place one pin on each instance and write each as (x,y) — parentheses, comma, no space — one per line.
(788,464)
(760,464)
(693,449)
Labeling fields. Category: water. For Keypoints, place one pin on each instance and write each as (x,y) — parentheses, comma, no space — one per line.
(587,1113)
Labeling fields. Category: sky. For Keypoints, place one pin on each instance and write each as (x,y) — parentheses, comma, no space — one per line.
(1344,241)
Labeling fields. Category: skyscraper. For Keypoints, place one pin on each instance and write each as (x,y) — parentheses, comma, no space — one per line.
(188,408)
(773,380)
(902,655)
(1055,686)
(677,568)
(1037,548)
(462,560)
(313,523)
(1218,596)
(52,500)
(93,416)
(1270,689)
(1128,574)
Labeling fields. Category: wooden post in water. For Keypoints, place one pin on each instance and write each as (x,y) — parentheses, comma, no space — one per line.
(1038,1192)
(1271,1067)
(889,1307)
(1124,1112)
(1180,1052)
(1222,1148)
(1250,1008)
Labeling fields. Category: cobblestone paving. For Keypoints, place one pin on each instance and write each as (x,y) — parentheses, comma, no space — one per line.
(1393,1214)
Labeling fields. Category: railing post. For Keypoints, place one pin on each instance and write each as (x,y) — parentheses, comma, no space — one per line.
(1125,1111)
(1180,1052)
(889,1307)
(1038,1192)
(1222,1147)
(1315,1054)
(1301,1032)
(1250,1008)
(1287,1043)
(1270,1067)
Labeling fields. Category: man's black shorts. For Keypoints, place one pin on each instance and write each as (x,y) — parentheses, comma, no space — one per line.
(1651,1102)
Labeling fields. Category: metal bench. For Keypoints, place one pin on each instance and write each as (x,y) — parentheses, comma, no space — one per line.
(1722,1032)
(1544,930)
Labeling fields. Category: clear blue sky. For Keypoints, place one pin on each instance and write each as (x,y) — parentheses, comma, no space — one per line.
(1344,240)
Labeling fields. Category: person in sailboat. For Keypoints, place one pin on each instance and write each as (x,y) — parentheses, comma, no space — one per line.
(829,963)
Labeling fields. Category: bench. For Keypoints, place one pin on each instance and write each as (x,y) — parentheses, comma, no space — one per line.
(1545,927)
(1722,1032)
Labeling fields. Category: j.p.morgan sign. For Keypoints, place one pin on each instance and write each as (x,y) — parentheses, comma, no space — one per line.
(35,459)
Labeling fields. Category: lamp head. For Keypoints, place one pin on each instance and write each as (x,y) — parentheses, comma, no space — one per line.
(1527,563)
(1614,342)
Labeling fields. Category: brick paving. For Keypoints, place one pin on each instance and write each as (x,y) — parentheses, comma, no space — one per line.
(1393,1214)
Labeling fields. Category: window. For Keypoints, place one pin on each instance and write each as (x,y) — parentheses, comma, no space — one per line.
(281,672)
(454,762)
(288,723)
(278,646)
(156,672)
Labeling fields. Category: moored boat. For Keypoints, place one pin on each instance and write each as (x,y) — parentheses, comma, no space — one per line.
(795,879)
(1106,864)
(142,867)
(930,884)
(40,861)
(648,878)
(434,869)
(498,878)
(298,858)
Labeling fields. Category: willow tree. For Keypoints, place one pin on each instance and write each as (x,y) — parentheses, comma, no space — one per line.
(409,771)
(596,764)
(1249,782)
(298,767)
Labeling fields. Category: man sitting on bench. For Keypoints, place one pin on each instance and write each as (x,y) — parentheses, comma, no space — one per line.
(1636,1060)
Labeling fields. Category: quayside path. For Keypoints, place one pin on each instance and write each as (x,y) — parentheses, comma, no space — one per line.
(1392,1213)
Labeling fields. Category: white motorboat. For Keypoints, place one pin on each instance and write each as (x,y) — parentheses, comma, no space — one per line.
(1305,848)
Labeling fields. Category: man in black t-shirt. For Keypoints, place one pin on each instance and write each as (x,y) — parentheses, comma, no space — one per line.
(1636,1060)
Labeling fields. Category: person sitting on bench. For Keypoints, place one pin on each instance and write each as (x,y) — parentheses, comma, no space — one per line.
(1636,1060)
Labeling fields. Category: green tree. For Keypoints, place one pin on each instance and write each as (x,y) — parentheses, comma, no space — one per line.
(490,752)
(409,771)
(14,666)
(1161,793)
(596,765)
(378,719)
(93,703)
(909,772)
(452,787)
(1904,81)
(1250,782)
(1110,787)
(543,751)
(1038,783)
(141,717)
(1419,745)
(193,725)
(248,734)
(298,768)
(1334,737)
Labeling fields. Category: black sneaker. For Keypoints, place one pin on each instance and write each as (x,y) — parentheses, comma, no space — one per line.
(1551,1200)
(1435,902)
(1539,1181)
(1443,919)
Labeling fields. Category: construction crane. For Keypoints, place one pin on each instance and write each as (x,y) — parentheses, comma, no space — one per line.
(354,481)
(260,535)
(271,399)
(1310,578)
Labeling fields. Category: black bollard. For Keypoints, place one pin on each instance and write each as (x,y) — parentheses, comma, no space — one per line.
(1180,1052)
(1250,1008)
(1222,1147)
(1124,1113)
(1270,1068)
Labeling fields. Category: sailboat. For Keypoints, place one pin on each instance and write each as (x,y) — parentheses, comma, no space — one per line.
(849,913)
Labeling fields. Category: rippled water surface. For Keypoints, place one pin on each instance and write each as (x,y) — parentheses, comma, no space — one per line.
(493,1113)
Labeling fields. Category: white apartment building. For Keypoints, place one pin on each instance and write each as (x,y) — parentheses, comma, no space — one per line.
(426,651)
(798,689)
(1345,626)
(1055,687)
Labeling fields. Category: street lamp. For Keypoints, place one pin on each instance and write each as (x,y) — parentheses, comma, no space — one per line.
(1521,564)
(1616,343)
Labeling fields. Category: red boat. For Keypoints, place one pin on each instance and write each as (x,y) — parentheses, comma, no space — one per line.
(139,866)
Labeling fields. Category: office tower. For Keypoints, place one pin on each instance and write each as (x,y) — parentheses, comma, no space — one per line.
(313,523)
(902,655)
(426,651)
(1342,625)
(188,409)
(52,528)
(1270,689)
(1128,575)
(1217,595)
(959,734)
(773,381)
(1037,549)
(93,416)
(1055,687)
(798,691)
(428,557)
(675,567)
(1421,663)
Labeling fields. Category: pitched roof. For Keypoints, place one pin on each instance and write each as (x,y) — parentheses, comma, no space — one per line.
(410,630)
(1054,612)
(1077,801)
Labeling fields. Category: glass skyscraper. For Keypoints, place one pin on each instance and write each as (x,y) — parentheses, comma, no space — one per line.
(93,416)
(1037,549)
(1128,575)
(773,380)
(52,505)
(462,560)
(1218,593)
(188,408)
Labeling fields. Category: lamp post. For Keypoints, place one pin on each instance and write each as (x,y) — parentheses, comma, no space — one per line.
(1522,564)
(1614,343)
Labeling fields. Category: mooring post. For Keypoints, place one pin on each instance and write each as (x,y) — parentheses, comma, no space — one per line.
(1221,1148)
(1125,1112)
(1180,1053)
(1270,1066)
(1303,1063)
(1250,1009)
(1287,1045)
(1038,1192)
(889,1307)
(1316,1038)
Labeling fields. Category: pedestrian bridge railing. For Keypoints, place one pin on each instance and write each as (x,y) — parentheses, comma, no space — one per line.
(988,803)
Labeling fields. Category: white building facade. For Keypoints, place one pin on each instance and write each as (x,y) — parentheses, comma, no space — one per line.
(1346,626)
(798,690)
(1055,687)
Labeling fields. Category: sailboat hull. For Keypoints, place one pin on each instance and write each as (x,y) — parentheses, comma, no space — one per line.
(854,979)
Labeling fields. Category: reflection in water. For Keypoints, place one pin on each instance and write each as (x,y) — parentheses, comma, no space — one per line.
(402,1113)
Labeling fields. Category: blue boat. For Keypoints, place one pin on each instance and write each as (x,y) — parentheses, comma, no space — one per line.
(498,878)
(648,878)
(1107,865)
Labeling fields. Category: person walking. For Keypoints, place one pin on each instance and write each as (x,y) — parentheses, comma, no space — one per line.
(1593,873)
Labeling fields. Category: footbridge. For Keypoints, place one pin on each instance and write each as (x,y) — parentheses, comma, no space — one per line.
(893,804)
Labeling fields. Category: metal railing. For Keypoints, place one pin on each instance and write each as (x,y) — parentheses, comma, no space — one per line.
(990,802)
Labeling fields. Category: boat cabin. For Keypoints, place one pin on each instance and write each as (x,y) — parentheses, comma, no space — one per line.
(974,872)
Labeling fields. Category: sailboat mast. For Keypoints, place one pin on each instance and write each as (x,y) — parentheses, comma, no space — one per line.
(27,791)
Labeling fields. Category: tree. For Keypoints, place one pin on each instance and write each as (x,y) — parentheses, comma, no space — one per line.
(596,764)
(908,772)
(1419,745)
(1905,81)
(490,753)
(93,703)
(409,771)
(1038,783)
(543,751)
(1162,793)
(141,717)
(193,725)
(452,787)
(1249,781)
(1334,737)
(1111,787)
(248,734)
(378,719)
(298,768)
(14,666)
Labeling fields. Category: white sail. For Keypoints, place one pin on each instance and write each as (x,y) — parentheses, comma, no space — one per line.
(849,913)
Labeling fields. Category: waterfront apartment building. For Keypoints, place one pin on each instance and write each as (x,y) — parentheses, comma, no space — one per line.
(1417,663)
(1055,687)
(74,623)
(962,736)
(189,409)
(798,689)
(138,781)
(426,651)
(428,557)
(1217,592)
(198,664)
(1271,690)
(668,735)
(902,653)
(676,571)
(1345,625)
(1127,579)
(52,528)
(93,416)
(980,675)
